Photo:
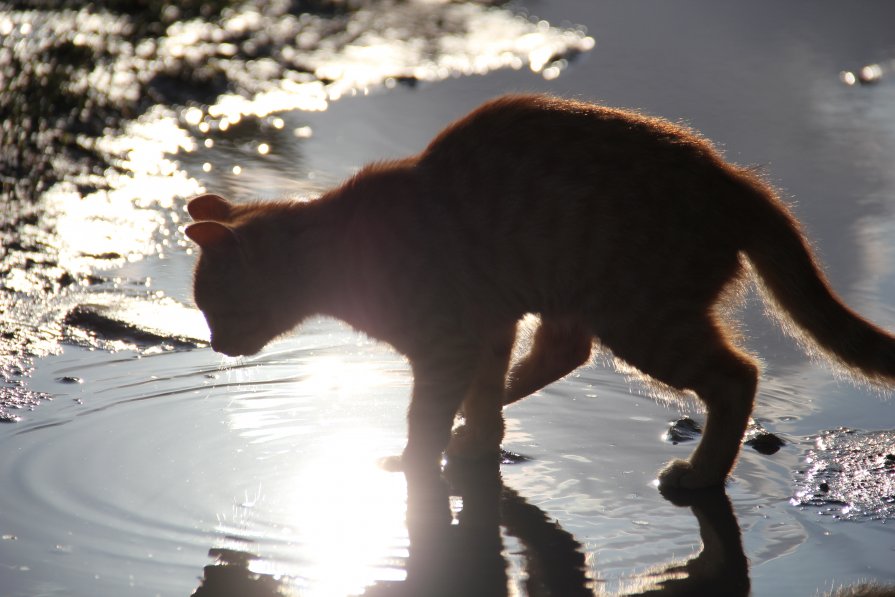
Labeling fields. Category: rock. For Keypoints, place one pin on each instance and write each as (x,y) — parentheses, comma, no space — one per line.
(684,429)
(757,437)
(69,379)
(507,457)
(761,440)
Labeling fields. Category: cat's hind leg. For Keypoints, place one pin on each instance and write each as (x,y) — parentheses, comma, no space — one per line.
(482,431)
(694,354)
(558,348)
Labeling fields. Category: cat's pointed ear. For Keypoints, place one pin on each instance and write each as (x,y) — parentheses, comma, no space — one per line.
(212,235)
(210,207)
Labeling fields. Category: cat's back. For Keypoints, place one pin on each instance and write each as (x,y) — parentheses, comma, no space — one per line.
(543,125)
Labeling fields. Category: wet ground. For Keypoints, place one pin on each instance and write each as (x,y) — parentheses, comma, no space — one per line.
(157,467)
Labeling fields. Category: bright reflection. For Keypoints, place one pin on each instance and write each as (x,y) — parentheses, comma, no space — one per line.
(133,214)
(324,516)
(333,526)
(344,378)
(327,391)
(349,514)
(399,43)
(488,39)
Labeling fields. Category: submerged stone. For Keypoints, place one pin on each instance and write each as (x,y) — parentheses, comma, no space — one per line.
(761,440)
(684,429)
(69,379)
(507,457)
(757,437)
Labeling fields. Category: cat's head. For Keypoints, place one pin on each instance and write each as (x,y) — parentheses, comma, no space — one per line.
(230,289)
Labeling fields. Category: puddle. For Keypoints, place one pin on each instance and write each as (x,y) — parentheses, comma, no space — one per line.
(150,468)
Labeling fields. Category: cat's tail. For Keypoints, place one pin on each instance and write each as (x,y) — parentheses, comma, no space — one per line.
(804,301)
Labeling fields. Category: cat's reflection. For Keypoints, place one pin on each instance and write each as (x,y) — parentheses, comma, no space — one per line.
(720,568)
(462,555)
(466,558)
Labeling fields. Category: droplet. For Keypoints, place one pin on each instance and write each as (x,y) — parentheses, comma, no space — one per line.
(871,74)
(192,116)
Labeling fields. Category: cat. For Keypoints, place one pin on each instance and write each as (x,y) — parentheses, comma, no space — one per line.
(609,225)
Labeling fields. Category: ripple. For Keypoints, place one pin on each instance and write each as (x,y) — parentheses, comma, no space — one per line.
(164,458)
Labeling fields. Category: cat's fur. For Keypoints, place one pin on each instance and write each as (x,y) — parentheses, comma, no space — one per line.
(608,224)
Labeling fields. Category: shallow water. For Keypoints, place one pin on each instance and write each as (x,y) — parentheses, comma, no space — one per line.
(146,468)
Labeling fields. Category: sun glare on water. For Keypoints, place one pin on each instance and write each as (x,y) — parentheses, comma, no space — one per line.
(350,515)
(326,518)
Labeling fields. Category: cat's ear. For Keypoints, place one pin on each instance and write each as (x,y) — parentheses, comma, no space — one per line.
(210,207)
(212,235)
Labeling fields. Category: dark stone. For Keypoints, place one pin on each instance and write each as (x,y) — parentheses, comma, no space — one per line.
(69,379)
(507,457)
(761,440)
(683,430)
(765,443)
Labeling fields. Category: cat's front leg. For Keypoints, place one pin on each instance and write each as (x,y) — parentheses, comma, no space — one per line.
(440,381)
(482,431)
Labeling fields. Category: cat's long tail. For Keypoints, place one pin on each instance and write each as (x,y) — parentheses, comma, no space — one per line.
(806,304)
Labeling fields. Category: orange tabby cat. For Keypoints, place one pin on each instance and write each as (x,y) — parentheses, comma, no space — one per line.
(608,225)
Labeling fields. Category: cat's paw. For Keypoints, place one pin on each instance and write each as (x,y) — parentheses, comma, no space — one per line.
(680,474)
(467,444)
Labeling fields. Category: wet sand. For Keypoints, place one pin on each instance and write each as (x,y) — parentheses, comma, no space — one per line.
(148,468)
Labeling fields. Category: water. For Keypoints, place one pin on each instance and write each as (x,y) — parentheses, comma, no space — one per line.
(150,467)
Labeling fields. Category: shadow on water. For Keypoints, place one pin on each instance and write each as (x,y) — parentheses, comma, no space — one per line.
(457,526)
